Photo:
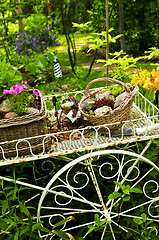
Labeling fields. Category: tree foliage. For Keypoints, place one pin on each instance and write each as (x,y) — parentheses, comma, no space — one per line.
(140,20)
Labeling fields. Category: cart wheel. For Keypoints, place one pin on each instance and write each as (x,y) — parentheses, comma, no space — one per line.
(112,192)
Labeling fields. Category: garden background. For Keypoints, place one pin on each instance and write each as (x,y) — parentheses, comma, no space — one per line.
(32,33)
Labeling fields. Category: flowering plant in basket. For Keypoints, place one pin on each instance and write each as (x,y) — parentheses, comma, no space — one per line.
(106,98)
(20,98)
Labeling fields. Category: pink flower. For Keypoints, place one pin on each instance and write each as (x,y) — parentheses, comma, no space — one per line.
(0,96)
(19,88)
(15,89)
(25,82)
(7,92)
(36,93)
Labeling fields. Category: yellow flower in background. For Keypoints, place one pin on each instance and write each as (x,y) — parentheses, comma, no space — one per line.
(146,79)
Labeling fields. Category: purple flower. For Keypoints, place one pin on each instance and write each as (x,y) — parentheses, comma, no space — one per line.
(19,44)
(57,44)
(18,49)
(27,41)
(34,40)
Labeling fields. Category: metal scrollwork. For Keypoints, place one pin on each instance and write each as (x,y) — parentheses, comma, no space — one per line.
(151,183)
(77,179)
(132,169)
(153,208)
(62,194)
(110,165)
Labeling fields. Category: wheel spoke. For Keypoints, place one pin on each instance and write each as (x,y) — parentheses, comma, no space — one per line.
(75,211)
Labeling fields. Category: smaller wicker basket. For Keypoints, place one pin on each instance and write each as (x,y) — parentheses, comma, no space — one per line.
(119,114)
(24,127)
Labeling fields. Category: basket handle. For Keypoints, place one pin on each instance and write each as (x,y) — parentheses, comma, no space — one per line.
(106,80)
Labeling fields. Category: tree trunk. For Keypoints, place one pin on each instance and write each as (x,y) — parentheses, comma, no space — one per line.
(20,21)
(121,26)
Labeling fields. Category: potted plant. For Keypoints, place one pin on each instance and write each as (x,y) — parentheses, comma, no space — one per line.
(24,117)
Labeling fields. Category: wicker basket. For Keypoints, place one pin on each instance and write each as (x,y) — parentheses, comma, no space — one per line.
(25,126)
(119,114)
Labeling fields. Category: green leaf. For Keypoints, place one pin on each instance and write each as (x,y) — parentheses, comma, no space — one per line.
(119,184)
(149,222)
(4,207)
(62,222)
(152,229)
(24,209)
(126,191)
(36,226)
(138,221)
(128,235)
(43,60)
(97,219)
(144,217)
(42,229)
(31,236)
(16,235)
(50,57)
(61,234)
(91,229)
(126,198)
(103,222)
(114,195)
(32,68)
(26,229)
(135,190)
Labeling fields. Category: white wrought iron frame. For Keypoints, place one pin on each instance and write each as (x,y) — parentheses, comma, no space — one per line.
(143,125)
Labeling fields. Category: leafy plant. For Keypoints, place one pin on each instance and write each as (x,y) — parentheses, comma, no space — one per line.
(98,225)
(144,227)
(20,98)
(42,64)
(99,40)
(13,212)
(116,90)
(121,64)
(8,75)
(60,233)
(152,52)
(126,191)
(124,195)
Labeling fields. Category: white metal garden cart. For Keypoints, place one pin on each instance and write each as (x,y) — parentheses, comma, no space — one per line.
(99,173)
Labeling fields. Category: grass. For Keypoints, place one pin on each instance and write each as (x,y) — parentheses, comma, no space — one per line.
(79,39)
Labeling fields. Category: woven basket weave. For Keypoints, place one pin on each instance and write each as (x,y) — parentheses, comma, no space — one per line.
(26,126)
(119,114)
